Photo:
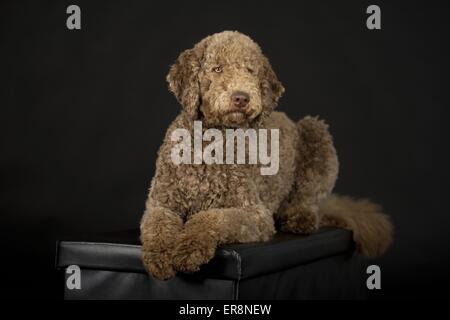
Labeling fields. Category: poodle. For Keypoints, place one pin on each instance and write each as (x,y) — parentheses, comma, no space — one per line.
(226,82)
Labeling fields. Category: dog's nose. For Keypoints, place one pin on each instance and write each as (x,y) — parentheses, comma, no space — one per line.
(240,99)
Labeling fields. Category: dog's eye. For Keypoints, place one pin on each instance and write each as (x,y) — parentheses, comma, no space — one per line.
(217,69)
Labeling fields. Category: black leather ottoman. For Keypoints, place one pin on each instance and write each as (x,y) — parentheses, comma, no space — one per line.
(318,266)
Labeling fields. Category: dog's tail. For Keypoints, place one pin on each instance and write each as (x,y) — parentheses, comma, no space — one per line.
(372,229)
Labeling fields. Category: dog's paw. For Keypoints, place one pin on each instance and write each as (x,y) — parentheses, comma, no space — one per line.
(301,222)
(158,264)
(194,250)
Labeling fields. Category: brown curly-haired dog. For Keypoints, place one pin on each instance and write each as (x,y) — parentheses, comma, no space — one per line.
(226,82)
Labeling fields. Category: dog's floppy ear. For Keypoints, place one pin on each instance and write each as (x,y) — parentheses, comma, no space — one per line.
(184,83)
(271,86)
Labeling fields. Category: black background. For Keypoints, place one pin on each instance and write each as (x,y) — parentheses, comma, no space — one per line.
(83,114)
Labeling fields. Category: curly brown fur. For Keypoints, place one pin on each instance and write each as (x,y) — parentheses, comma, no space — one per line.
(317,166)
(206,229)
(193,208)
(372,229)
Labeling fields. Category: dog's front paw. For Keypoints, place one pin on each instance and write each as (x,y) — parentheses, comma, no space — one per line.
(158,264)
(194,250)
(303,222)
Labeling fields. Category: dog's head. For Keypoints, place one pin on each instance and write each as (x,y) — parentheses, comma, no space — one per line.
(225,80)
